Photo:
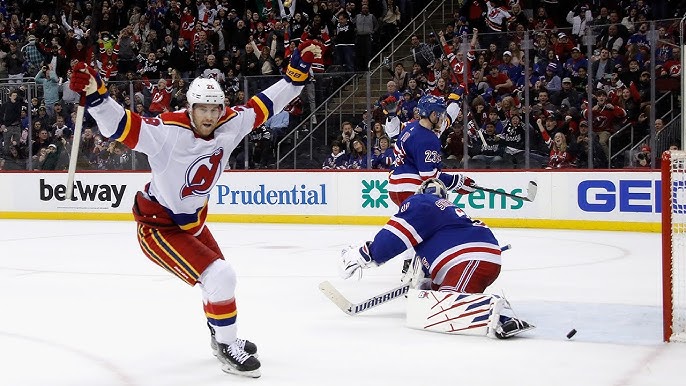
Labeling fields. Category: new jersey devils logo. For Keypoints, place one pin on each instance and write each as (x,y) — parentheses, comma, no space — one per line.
(203,174)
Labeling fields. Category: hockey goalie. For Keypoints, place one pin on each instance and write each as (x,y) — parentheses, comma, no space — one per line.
(457,258)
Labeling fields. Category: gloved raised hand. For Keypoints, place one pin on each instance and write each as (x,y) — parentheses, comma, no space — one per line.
(354,259)
(85,80)
(298,71)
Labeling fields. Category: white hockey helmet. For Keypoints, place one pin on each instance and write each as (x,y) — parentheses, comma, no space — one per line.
(205,90)
(433,186)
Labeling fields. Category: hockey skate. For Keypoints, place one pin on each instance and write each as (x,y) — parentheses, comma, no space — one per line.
(512,327)
(236,360)
(244,344)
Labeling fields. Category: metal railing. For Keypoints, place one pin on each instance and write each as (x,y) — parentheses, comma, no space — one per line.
(297,136)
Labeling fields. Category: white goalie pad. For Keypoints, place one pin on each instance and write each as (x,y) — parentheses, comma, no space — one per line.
(454,313)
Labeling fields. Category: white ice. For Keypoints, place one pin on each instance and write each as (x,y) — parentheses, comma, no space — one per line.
(81,305)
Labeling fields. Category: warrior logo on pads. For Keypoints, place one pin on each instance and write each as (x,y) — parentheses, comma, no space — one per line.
(203,174)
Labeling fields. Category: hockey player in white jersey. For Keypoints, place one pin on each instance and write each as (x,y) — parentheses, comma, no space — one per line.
(187,151)
(457,259)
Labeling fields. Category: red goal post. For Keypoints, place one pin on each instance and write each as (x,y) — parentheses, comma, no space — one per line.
(674,245)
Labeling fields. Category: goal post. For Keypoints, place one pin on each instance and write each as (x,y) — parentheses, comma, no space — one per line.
(674,245)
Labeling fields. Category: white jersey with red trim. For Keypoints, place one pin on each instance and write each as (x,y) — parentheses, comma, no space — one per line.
(185,168)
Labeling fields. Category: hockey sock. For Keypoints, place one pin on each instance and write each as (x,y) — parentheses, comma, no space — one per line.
(221,316)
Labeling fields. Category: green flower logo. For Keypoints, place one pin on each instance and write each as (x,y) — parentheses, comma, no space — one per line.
(374,194)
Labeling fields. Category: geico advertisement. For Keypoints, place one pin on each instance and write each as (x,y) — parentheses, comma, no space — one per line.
(617,196)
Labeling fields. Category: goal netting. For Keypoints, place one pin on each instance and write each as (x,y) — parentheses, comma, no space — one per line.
(674,245)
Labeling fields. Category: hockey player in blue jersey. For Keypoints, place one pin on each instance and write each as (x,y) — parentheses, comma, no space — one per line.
(456,255)
(418,153)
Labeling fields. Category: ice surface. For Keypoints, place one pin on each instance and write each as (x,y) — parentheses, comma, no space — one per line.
(81,305)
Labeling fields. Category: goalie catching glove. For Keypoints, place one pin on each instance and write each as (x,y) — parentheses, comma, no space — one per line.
(85,80)
(354,259)
(298,71)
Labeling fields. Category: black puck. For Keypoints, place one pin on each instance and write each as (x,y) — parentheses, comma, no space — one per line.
(571,334)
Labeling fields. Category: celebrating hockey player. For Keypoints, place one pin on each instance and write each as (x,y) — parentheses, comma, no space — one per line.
(188,150)
(457,259)
(418,153)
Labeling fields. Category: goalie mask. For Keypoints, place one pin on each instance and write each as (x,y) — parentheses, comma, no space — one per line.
(433,186)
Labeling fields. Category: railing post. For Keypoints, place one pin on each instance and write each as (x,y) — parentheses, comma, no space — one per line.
(588,41)
(526,45)
(652,39)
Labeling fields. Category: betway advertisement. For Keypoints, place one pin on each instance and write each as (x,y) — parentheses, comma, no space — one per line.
(343,197)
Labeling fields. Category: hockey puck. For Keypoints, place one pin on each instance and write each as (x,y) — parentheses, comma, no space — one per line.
(571,334)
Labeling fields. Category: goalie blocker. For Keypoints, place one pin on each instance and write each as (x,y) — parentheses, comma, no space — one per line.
(461,313)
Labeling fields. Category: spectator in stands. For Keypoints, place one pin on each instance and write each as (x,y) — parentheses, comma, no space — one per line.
(180,58)
(358,156)
(346,137)
(579,17)
(401,77)
(389,22)
(344,43)
(514,136)
(580,148)
(499,84)
(490,150)
(338,158)
(453,145)
(10,116)
(34,57)
(48,79)
(383,155)
(421,53)
(602,68)
(572,97)
(630,102)
(366,25)
(550,81)
(605,117)
(576,61)
(160,96)
(543,107)
(15,63)
(560,154)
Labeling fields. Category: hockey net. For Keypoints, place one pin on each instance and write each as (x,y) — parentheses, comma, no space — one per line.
(674,245)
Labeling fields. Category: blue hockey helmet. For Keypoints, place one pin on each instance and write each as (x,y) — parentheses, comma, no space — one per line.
(429,103)
(433,186)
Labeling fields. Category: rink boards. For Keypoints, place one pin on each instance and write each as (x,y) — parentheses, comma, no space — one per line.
(603,200)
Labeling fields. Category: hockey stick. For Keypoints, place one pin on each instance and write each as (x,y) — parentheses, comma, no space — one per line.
(76,143)
(355,308)
(531,190)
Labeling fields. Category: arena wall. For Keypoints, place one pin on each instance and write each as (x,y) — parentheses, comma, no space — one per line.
(602,200)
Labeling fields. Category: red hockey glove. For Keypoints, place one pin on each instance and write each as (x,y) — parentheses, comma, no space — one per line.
(85,80)
(298,71)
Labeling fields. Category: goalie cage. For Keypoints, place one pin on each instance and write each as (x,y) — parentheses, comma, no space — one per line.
(674,246)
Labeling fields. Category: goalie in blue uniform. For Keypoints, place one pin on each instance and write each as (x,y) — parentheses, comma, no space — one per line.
(457,258)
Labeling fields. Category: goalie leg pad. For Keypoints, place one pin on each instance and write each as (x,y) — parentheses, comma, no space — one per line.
(453,313)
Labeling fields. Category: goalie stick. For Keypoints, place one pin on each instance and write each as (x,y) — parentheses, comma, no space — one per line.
(531,190)
(356,308)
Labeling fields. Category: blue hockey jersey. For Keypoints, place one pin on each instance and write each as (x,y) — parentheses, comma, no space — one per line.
(441,234)
(417,158)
